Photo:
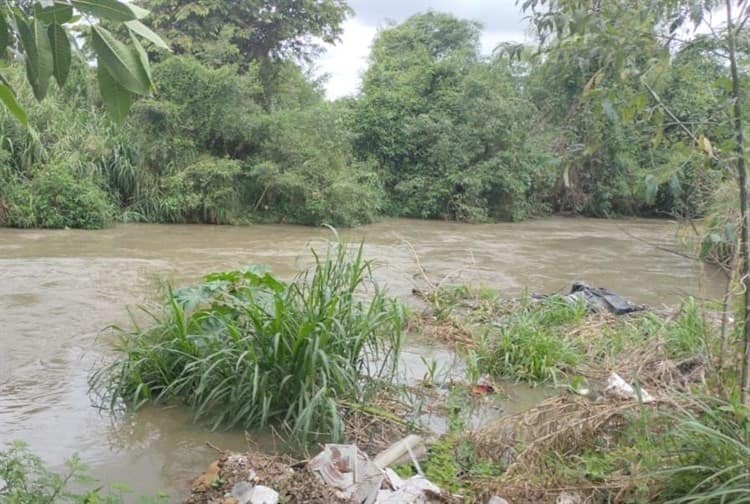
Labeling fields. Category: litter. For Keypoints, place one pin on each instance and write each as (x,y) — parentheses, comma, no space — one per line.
(617,387)
(597,300)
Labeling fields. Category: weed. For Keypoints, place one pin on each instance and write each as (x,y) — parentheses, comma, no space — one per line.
(24,479)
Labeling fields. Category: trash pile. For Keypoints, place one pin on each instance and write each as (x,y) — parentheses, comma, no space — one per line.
(340,473)
(597,300)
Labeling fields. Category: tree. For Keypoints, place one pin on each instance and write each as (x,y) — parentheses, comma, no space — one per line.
(38,33)
(616,31)
(449,129)
(220,32)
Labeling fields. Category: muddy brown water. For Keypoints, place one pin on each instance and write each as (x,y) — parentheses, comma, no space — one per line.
(59,290)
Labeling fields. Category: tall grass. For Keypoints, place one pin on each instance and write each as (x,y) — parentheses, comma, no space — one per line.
(529,344)
(244,349)
(708,454)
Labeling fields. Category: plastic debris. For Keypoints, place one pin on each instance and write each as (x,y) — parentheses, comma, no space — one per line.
(409,449)
(246,493)
(415,490)
(617,387)
(597,300)
(497,500)
(264,495)
(565,498)
(347,469)
(242,492)
(350,471)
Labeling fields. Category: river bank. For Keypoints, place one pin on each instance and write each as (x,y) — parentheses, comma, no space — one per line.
(64,287)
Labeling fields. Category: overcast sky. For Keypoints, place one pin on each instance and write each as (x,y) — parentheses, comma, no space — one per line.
(346,61)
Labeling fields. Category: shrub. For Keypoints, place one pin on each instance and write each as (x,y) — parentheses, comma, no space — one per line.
(206,191)
(245,349)
(306,174)
(56,198)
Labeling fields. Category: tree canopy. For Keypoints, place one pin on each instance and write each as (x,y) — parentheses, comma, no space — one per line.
(222,32)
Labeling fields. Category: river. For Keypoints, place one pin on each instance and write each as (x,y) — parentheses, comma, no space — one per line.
(59,290)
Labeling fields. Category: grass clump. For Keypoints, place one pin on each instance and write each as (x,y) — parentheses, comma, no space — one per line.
(245,349)
(708,453)
(528,343)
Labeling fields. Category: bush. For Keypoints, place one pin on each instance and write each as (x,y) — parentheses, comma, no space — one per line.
(449,129)
(206,191)
(305,172)
(55,198)
(245,349)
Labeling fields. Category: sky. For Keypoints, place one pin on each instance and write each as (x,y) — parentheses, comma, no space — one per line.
(345,62)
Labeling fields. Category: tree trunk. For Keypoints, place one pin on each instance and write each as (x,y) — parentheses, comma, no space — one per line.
(745,222)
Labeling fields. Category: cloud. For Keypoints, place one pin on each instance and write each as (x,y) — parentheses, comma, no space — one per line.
(495,15)
(346,62)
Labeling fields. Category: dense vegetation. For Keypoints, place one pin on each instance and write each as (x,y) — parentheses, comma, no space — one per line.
(239,130)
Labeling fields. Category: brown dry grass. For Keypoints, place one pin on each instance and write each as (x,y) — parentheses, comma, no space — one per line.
(565,425)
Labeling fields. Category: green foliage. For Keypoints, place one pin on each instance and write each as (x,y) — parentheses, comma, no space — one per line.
(205,191)
(240,132)
(708,454)
(24,479)
(214,108)
(221,33)
(245,349)
(626,107)
(539,341)
(55,198)
(41,36)
(449,130)
(529,343)
(307,174)
(693,453)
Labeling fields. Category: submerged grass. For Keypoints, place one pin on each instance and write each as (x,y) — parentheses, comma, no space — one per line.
(246,350)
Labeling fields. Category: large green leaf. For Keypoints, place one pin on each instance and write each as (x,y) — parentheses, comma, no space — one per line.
(9,100)
(57,13)
(60,44)
(4,34)
(123,62)
(142,56)
(111,10)
(139,12)
(116,98)
(38,53)
(144,31)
